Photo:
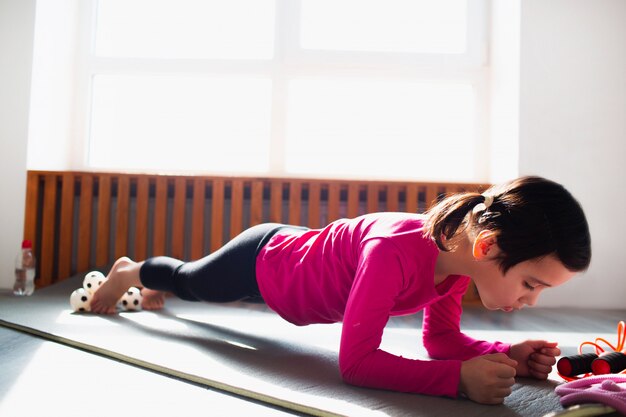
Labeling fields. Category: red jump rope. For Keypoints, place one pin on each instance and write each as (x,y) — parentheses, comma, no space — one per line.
(602,362)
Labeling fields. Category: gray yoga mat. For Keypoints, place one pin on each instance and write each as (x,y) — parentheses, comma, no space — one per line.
(250,351)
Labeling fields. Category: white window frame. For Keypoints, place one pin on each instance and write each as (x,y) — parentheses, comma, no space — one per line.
(290,61)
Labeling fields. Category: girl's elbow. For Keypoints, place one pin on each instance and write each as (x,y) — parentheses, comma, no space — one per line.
(435,354)
(435,348)
(348,378)
(349,372)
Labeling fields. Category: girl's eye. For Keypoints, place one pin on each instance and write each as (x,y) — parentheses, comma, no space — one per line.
(527,285)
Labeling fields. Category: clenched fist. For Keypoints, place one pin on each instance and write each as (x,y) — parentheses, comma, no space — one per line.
(488,379)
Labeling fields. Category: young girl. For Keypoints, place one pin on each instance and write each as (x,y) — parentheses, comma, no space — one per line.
(514,241)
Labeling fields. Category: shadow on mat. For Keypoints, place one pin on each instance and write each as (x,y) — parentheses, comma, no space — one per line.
(270,356)
(305,368)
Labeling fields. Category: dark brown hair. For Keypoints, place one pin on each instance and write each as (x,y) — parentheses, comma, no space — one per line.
(531,216)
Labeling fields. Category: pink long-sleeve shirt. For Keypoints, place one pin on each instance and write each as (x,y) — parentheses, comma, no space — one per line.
(361,271)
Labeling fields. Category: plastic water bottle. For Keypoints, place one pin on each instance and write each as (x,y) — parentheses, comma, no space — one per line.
(25,263)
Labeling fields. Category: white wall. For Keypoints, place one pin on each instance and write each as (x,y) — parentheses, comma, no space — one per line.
(504,58)
(52,115)
(17,18)
(573,127)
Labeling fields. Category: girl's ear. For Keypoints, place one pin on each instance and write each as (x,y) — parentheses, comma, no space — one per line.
(483,244)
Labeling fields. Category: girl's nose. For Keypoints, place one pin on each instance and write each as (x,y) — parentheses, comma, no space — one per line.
(530,299)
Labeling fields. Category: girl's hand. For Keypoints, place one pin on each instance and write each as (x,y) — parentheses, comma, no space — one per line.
(487,379)
(535,358)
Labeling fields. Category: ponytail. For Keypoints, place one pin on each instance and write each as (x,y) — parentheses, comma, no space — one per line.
(448,218)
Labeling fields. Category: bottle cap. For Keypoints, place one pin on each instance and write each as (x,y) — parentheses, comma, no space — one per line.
(27,244)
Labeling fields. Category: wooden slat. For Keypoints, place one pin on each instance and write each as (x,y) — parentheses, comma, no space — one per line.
(160,217)
(31,208)
(256,203)
(392,198)
(333,201)
(411,198)
(430,196)
(48,230)
(66,229)
(236,208)
(217,215)
(197,219)
(104,220)
(295,202)
(141,217)
(121,216)
(353,199)
(276,201)
(85,212)
(314,205)
(372,198)
(178,218)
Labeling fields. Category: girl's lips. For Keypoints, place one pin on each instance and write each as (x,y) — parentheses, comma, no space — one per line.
(507,309)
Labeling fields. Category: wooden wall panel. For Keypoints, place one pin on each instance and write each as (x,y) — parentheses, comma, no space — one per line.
(217,215)
(412,205)
(85,219)
(66,229)
(197,218)
(31,208)
(372,198)
(142,202)
(392,198)
(104,220)
(256,202)
(276,202)
(295,203)
(333,201)
(122,213)
(314,205)
(236,208)
(48,230)
(353,200)
(151,230)
(160,217)
(178,218)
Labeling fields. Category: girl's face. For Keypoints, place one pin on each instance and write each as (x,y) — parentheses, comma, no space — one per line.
(522,283)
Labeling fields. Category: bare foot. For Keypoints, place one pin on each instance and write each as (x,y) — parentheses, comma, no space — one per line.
(123,275)
(152,299)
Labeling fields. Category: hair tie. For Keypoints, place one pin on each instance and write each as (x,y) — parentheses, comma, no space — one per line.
(484,207)
(488,201)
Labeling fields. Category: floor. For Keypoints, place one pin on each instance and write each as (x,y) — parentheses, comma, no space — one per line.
(40,377)
(71,382)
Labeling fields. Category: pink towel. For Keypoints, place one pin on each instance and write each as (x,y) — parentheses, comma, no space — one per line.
(607,389)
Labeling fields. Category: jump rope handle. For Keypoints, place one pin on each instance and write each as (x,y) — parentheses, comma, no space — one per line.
(576,364)
(607,363)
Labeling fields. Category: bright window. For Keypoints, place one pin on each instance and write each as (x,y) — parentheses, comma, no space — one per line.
(327,88)
(384,118)
(170,122)
(233,29)
(415,26)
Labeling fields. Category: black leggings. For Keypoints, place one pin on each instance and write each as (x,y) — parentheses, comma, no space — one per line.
(225,275)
